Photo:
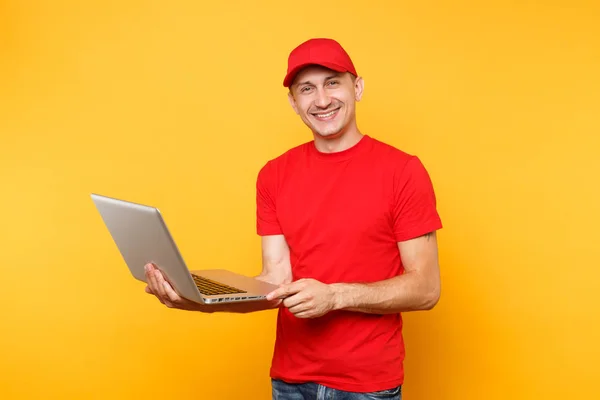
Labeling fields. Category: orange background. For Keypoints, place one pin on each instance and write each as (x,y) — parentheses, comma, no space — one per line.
(178,104)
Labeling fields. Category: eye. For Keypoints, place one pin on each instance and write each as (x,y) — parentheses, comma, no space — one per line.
(305,89)
(333,83)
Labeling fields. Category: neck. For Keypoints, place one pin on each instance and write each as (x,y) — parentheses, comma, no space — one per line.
(340,142)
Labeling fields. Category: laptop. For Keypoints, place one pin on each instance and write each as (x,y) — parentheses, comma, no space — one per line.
(142,237)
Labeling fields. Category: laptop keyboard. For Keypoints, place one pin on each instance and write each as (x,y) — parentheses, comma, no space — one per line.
(211,288)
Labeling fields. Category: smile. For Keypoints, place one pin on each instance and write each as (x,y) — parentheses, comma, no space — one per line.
(326,116)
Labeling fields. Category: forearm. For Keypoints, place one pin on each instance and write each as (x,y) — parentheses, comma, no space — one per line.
(408,292)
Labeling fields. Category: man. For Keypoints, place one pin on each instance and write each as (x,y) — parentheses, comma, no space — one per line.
(348,227)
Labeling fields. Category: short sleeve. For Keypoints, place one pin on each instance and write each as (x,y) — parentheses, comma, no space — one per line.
(266,215)
(414,203)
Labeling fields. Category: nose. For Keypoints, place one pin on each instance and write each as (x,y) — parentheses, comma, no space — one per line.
(322,100)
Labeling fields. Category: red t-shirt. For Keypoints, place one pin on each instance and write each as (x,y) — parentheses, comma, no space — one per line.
(342,215)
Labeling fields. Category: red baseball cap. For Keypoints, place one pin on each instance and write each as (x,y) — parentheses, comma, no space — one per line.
(320,51)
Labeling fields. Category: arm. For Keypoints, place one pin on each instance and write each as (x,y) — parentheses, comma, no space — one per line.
(414,211)
(417,289)
(276,270)
(275,260)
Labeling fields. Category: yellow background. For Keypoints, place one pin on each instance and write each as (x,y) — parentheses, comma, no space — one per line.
(178,104)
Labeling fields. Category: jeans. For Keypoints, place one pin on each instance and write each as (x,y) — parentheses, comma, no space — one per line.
(313,391)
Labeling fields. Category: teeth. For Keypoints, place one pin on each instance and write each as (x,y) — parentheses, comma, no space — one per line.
(329,114)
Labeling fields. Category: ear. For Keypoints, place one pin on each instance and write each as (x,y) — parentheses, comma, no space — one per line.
(359,87)
(292,101)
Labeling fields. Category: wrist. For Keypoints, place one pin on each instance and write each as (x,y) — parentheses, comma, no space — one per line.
(340,296)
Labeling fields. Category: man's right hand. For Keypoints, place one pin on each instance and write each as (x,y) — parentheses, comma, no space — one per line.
(167,295)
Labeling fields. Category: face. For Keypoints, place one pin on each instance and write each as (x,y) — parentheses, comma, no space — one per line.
(325,100)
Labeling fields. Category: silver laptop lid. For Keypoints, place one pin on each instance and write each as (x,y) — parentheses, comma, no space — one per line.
(141,236)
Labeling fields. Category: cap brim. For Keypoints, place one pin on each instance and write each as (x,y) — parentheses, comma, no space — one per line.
(289,78)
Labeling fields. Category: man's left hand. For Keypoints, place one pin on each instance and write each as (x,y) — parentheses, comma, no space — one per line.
(306,298)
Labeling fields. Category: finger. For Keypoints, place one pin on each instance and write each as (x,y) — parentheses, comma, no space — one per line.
(294,300)
(300,308)
(170,293)
(285,291)
(151,279)
(304,314)
(276,294)
(160,285)
(148,290)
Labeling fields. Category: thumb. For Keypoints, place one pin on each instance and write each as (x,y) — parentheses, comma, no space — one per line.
(280,292)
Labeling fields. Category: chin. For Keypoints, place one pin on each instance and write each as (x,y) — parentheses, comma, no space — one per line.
(329,133)
(330,136)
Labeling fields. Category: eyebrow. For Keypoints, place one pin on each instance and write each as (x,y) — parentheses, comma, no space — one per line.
(336,75)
